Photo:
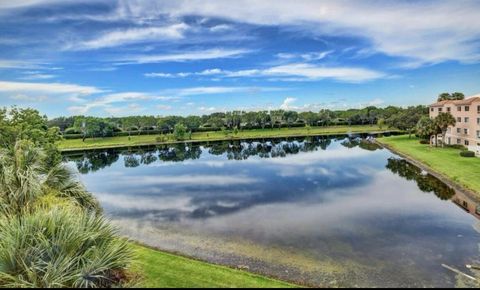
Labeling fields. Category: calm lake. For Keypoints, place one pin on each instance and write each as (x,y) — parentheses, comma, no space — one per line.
(320,211)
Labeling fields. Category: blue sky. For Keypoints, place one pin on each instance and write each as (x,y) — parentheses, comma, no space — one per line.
(129,57)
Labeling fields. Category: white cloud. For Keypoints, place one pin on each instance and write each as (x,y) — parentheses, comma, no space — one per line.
(53,88)
(125,110)
(159,75)
(313,72)
(129,36)
(221,28)
(207,109)
(423,31)
(209,54)
(186,180)
(164,107)
(35,75)
(106,102)
(27,98)
(289,72)
(221,90)
(287,103)
(310,56)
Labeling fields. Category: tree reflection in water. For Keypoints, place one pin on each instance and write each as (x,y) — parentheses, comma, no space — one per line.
(425,182)
(92,161)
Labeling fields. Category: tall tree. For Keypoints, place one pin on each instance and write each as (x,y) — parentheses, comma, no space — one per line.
(443,121)
(426,128)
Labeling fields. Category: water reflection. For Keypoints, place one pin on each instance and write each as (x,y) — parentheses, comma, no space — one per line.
(340,203)
(92,161)
(425,182)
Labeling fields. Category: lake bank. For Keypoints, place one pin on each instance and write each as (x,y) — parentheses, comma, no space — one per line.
(445,163)
(148,140)
(160,269)
(320,211)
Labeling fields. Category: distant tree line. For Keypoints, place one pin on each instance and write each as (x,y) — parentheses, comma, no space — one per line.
(92,127)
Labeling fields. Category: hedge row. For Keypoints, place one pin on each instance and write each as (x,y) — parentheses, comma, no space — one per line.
(468,154)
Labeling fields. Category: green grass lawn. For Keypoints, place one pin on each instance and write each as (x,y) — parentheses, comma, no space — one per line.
(136,140)
(163,270)
(446,161)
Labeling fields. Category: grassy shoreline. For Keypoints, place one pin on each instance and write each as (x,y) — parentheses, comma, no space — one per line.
(146,140)
(459,172)
(165,270)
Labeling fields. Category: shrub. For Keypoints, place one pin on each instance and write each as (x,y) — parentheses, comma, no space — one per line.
(72,131)
(468,154)
(26,177)
(425,142)
(459,147)
(61,248)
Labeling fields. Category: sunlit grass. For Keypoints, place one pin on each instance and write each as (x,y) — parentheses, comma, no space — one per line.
(163,270)
(136,140)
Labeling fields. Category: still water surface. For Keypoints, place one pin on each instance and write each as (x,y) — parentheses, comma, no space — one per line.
(320,211)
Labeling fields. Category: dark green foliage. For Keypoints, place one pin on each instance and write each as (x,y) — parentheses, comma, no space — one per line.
(180,132)
(394,117)
(453,96)
(52,232)
(61,248)
(468,154)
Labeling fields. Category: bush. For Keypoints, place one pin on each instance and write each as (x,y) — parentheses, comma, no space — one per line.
(72,131)
(459,147)
(425,142)
(73,136)
(61,248)
(468,154)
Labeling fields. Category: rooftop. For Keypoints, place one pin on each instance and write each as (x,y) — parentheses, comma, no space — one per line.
(468,101)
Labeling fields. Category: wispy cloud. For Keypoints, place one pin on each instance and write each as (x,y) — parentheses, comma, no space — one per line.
(110,102)
(447,30)
(309,56)
(314,72)
(288,72)
(208,54)
(53,88)
(130,36)
(27,98)
(221,90)
(36,75)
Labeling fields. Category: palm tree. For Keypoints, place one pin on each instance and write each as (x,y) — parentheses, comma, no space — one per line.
(25,179)
(426,128)
(61,248)
(443,121)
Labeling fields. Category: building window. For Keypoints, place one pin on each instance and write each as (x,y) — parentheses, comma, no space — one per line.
(459,141)
(478,109)
(478,134)
(440,109)
(467,143)
(459,120)
(478,121)
(465,131)
(467,119)
(467,108)
(459,109)
(449,109)
(459,130)
(432,109)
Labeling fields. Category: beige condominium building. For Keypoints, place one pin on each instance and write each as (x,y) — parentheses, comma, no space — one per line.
(467,130)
